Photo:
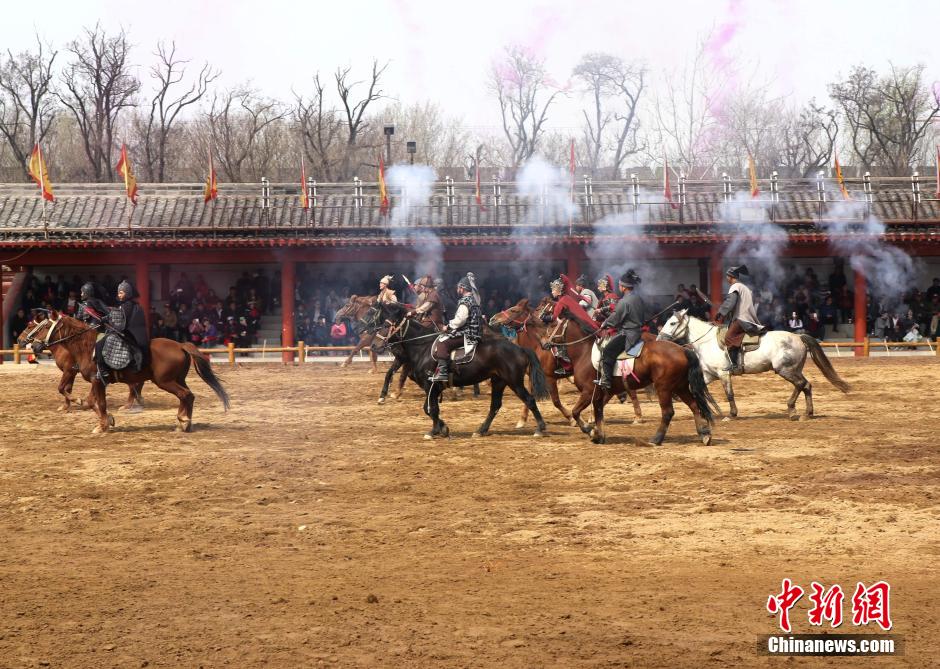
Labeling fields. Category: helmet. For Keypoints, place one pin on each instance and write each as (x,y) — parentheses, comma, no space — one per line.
(423,282)
(737,272)
(87,292)
(387,280)
(128,289)
(438,283)
(630,279)
(557,284)
(603,283)
(465,284)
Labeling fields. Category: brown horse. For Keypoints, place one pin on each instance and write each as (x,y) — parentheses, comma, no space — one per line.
(70,369)
(530,331)
(354,310)
(167,367)
(671,369)
(363,312)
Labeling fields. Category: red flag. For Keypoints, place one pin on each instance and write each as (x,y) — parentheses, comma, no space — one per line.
(840,180)
(130,182)
(39,173)
(383,192)
(479,194)
(304,200)
(938,170)
(667,189)
(211,190)
(571,169)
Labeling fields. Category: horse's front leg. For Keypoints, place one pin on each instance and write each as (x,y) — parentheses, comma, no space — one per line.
(434,409)
(349,358)
(583,401)
(389,375)
(65,389)
(598,436)
(373,356)
(729,393)
(402,378)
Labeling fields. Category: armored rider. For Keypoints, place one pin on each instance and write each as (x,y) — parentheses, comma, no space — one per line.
(627,321)
(587,298)
(739,311)
(465,328)
(430,306)
(608,297)
(386,293)
(92,308)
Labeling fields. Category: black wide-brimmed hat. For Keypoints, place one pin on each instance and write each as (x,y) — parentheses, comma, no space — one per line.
(630,279)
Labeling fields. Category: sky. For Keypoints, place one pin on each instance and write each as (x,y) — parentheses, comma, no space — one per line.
(442,51)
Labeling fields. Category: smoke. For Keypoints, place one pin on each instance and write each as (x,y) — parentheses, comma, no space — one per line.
(414,185)
(756,241)
(856,234)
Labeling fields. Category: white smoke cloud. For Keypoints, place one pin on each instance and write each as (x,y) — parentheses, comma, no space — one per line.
(414,185)
(756,240)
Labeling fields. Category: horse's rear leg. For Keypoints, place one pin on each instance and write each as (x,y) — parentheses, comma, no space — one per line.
(524,416)
(665,405)
(529,401)
(402,378)
(496,401)
(800,385)
(375,361)
(184,415)
(583,401)
(637,411)
(701,425)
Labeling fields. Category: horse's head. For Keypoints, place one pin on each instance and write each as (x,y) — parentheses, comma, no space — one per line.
(387,321)
(676,328)
(514,317)
(41,333)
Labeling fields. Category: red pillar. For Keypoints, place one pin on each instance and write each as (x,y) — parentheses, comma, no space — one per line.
(716,282)
(573,268)
(861,310)
(288,279)
(143,288)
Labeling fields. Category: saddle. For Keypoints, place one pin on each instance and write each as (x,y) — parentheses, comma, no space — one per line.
(463,355)
(633,352)
(625,360)
(751,341)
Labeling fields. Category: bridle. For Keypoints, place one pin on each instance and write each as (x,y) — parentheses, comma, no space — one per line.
(54,323)
(521,325)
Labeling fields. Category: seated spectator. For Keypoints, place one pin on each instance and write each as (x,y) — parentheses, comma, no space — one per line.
(321,332)
(814,326)
(795,324)
(211,335)
(881,326)
(196,331)
(913,334)
(827,313)
(933,293)
(18,323)
(157,328)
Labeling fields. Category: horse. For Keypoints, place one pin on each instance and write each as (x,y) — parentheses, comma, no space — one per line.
(783,352)
(494,358)
(363,313)
(530,331)
(671,369)
(70,369)
(166,366)
(353,311)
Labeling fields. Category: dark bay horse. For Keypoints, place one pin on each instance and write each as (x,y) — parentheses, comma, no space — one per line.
(70,369)
(363,314)
(530,332)
(671,369)
(495,358)
(167,367)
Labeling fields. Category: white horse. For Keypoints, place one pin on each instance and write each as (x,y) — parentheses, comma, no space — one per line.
(783,352)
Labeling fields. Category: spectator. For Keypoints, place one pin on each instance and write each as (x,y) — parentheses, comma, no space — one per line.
(795,324)
(933,293)
(881,326)
(196,331)
(321,332)
(18,323)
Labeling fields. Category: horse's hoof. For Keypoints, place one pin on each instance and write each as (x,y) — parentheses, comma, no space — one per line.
(99,429)
(807,416)
(707,439)
(598,438)
(538,433)
(656,442)
(520,425)
(478,435)
(381,400)
(110,420)
(637,421)
(428,436)
(395,396)
(586,429)
(726,419)
(445,431)
(794,417)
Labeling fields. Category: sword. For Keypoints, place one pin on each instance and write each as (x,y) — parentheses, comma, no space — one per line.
(408,281)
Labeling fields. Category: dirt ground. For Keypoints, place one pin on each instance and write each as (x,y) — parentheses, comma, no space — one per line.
(311,527)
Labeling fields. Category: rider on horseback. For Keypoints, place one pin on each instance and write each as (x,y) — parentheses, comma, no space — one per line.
(132,330)
(386,293)
(92,308)
(464,329)
(627,319)
(430,306)
(738,309)
(588,299)
(609,299)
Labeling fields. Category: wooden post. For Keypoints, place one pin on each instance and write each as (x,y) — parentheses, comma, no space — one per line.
(301,352)
(716,282)
(231,353)
(936,348)
(866,350)
(288,279)
(16,354)
(861,309)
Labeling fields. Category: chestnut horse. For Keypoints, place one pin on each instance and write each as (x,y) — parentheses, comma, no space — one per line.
(70,369)
(167,367)
(671,369)
(530,331)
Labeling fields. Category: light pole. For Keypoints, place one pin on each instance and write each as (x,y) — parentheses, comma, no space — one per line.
(412,148)
(389,131)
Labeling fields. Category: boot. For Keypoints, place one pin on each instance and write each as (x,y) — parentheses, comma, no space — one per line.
(564,361)
(734,364)
(104,374)
(607,373)
(442,373)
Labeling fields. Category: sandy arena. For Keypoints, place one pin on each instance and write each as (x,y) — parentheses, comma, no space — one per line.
(311,527)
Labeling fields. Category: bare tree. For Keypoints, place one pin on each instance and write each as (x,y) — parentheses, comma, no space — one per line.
(27,104)
(169,99)
(320,129)
(807,138)
(525,94)
(888,116)
(237,121)
(354,108)
(614,87)
(98,85)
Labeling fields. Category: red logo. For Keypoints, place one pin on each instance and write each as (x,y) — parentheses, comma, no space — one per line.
(869,605)
(789,595)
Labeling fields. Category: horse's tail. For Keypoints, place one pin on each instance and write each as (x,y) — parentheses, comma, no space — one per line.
(204,369)
(697,386)
(539,384)
(822,361)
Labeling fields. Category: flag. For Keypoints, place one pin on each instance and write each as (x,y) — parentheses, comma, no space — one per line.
(304,199)
(571,169)
(840,180)
(752,174)
(667,189)
(130,182)
(211,190)
(479,193)
(938,170)
(383,192)
(39,173)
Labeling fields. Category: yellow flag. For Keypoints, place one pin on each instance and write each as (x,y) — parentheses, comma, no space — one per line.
(130,181)
(39,173)
(841,181)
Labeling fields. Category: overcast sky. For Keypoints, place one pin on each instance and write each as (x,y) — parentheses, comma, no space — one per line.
(442,50)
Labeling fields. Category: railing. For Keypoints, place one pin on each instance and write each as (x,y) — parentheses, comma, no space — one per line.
(864,348)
